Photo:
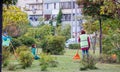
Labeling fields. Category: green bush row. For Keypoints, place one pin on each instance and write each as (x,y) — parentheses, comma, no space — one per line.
(74,46)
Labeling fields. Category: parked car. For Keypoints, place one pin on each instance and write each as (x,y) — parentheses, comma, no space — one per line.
(70,41)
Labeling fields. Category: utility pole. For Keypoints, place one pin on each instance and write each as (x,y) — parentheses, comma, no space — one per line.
(71,18)
(43,9)
(75,22)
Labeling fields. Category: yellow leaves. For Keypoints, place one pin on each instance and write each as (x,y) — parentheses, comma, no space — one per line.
(14,14)
(102,10)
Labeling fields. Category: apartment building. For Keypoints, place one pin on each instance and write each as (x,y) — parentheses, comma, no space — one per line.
(48,9)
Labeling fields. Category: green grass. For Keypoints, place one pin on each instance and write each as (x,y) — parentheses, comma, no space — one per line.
(67,64)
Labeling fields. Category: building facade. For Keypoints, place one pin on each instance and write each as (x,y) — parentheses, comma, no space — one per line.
(49,9)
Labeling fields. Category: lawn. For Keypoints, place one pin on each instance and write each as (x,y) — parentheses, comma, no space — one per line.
(67,64)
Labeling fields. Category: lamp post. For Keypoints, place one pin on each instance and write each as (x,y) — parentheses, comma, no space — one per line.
(71,18)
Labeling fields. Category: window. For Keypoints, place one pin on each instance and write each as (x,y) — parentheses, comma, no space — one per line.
(46,6)
(66,17)
(47,17)
(54,5)
(66,5)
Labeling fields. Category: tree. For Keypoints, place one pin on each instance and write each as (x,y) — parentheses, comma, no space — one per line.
(59,17)
(14,20)
(9,2)
(100,9)
(64,31)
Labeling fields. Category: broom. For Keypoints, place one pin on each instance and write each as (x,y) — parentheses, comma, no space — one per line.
(15,54)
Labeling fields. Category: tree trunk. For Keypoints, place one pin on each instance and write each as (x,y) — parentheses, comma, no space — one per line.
(94,42)
(100,35)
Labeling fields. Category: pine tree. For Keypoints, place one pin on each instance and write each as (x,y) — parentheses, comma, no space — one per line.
(59,17)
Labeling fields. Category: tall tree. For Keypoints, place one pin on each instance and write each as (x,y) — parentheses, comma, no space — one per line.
(59,17)
(100,9)
(14,18)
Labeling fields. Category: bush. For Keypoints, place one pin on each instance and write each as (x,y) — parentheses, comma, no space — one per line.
(88,63)
(107,46)
(22,48)
(26,59)
(15,43)
(25,56)
(74,46)
(47,61)
(12,67)
(117,52)
(106,58)
(27,40)
(54,45)
(5,56)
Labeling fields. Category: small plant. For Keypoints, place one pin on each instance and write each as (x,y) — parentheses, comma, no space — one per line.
(26,59)
(53,63)
(47,61)
(5,56)
(88,63)
(25,56)
(12,67)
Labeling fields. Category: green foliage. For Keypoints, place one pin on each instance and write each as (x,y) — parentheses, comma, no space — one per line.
(54,44)
(40,32)
(117,52)
(74,46)
(28,41)
(106,58)
(64,31)
(26,58)
(9,2)
(88,63)
(22,48)
(46,61)
(44,31)
(59,17)
(12,67)
(5,56)
(15,43)
(91,27)
(104,8)
(107,46)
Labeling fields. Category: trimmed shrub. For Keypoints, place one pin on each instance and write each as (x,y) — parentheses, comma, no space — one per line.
(74,46)
(54,45)
(28,41)
(5,56)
